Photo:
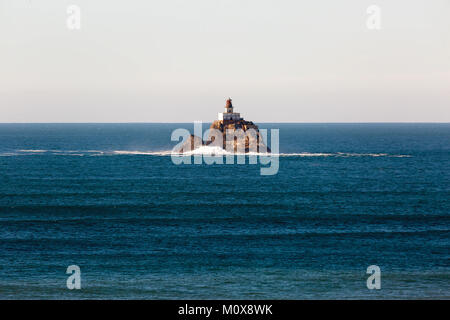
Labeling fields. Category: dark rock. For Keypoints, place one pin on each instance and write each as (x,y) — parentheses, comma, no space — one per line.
(239,143)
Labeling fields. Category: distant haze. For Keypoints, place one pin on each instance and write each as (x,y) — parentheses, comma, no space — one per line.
(178,60)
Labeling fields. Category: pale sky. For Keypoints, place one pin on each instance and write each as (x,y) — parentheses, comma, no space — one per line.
(177,61)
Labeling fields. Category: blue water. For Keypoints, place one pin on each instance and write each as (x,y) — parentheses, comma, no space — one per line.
(346,196)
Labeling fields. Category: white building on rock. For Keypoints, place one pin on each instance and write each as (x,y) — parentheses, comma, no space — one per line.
(229,114)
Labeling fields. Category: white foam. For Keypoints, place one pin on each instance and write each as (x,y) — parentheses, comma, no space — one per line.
(148,153)
(306,154)
(203,150)
(33,151)
(208,151)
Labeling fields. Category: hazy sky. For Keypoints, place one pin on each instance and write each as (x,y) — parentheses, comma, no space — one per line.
(178,60)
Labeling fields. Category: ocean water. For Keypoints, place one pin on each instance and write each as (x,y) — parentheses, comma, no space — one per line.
(107,197)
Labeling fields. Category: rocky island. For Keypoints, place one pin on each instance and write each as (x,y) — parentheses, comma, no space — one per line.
(231,133)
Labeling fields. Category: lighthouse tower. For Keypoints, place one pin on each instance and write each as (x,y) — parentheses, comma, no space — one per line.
(229,114)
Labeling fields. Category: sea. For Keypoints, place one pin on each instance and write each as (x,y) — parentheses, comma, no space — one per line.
(109,199)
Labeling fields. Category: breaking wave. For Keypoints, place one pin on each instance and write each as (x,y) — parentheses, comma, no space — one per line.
(204,150)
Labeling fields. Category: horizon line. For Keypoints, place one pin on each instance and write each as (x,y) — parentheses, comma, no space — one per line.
(281,122)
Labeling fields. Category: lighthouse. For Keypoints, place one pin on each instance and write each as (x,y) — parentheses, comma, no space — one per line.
(229,114)
(245,134)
